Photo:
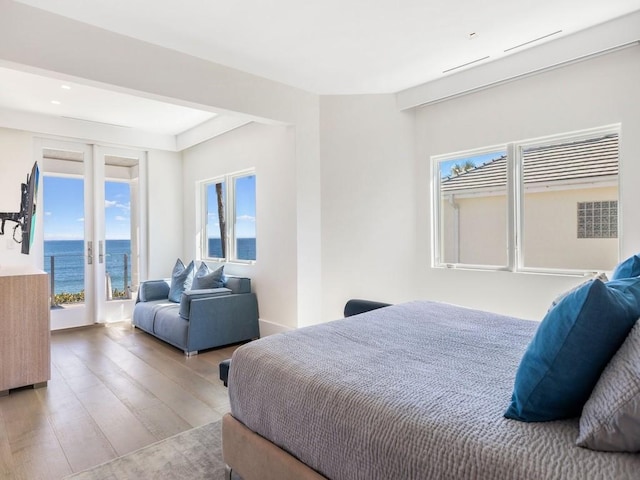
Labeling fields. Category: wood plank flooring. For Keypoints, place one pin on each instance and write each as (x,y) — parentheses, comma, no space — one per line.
(113,389)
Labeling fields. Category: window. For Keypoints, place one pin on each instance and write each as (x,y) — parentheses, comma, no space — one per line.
(513,207)
(598,219)
(230,218)
(473,198)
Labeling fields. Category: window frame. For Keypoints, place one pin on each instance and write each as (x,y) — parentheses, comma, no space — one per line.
(230,216)
(515,200)
(436,215)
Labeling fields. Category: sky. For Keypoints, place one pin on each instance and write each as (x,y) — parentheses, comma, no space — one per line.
(64,214)
(245,209)
(445,167)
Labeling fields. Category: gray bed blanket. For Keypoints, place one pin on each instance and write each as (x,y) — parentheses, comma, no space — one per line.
(413,391)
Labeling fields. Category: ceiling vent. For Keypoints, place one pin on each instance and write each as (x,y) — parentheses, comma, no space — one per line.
(465,64)
(533,41)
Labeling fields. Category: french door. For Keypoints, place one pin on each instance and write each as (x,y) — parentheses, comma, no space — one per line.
(93,204)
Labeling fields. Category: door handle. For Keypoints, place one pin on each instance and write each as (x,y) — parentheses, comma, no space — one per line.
(89,253)
(100,252)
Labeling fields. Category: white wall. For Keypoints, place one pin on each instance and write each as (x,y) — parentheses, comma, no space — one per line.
(600,91)
(164,200)
(165,212)
(16,160)
(368,201)
(64,48)
(361,187)
(270,150)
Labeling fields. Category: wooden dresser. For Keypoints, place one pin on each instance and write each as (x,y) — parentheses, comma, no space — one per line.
(25,333)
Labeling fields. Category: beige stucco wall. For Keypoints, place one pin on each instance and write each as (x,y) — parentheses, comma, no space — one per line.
(550,231)
(480,218)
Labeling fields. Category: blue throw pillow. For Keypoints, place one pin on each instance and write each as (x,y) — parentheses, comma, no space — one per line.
(153,290)
(627,269)
(570,349)
(181,280)
(205,278)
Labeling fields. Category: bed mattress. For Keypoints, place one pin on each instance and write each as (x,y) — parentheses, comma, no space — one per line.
(413,391)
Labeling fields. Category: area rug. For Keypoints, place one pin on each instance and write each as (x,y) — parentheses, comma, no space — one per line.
(194,454)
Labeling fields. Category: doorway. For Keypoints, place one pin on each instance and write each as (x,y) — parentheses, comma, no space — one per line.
(94,212)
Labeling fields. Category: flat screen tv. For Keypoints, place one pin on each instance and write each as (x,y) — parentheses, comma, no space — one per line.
(25,219)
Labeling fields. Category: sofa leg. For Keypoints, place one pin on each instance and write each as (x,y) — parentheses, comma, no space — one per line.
(191,354)
(227,473)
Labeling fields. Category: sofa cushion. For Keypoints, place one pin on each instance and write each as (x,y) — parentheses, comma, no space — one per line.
(181,280)
(205,278)
(170,327)
(238,284)
(571,347)
(153,290)
(187,296)
(144,313)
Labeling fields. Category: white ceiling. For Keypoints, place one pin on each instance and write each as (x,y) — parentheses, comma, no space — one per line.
(342,46)
(326,47)
(43,95)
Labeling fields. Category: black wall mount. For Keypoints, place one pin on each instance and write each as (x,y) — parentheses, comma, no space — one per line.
(25,218)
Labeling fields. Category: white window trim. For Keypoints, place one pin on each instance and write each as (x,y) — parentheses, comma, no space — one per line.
(515,203)
(436,219)
(230,205)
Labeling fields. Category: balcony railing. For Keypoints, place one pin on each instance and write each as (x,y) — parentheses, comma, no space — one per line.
(72,268)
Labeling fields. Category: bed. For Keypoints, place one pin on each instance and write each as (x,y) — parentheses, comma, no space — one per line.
(411,391)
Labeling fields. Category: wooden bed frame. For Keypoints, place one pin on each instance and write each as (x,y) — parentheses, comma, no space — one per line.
(254,458)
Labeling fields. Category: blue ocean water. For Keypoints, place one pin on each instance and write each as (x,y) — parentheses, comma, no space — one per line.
(246,248)
(69,263)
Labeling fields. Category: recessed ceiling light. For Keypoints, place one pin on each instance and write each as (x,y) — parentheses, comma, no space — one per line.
(65,87)
(55,102)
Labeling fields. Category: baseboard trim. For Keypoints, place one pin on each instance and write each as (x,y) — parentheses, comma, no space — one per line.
(270,328)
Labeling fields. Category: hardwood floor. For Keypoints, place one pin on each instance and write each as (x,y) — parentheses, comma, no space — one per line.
(113,389)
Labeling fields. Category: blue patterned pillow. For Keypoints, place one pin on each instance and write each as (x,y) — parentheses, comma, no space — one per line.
(181,280)
(205,278)
(627,269)
(571,348)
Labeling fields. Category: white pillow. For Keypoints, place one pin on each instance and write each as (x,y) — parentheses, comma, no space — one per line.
(610,419)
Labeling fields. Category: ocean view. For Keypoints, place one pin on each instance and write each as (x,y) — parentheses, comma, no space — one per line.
(246,248)
(69,260)
(69,263)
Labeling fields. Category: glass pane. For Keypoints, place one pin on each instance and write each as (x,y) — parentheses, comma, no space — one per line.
(216,220)
(117,218)
(245,221)
(63,200)
(473,210)
(570,205)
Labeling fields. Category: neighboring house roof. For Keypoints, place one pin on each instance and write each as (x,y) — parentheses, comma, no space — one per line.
(589,160)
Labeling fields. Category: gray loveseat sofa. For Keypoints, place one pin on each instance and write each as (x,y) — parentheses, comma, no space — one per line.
(203,318)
